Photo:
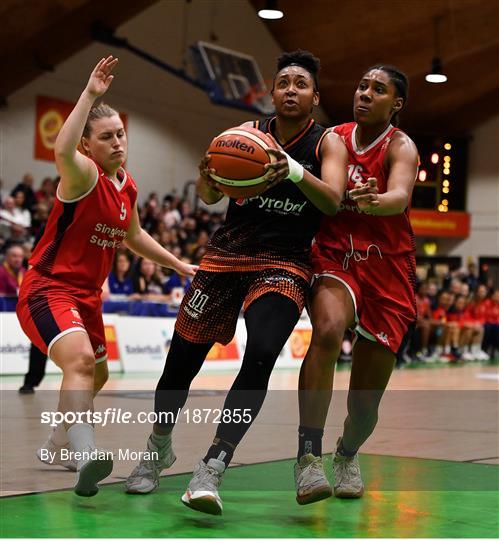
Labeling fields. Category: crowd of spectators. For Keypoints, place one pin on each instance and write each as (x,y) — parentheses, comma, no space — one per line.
(457,319)
(172,221)
(458,316)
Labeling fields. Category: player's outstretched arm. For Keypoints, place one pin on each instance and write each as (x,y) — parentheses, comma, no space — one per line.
(403,166)
(77,171)
(141,243)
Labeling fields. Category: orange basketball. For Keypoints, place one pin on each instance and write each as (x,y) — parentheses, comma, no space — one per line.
(238,156)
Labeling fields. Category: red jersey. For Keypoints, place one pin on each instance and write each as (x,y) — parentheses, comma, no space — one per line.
(350,229)
(492,311)
(439,314)
(423,307)
(82,235)
(478,311)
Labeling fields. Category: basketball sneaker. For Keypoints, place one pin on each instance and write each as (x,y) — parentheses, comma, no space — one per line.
(310,480)
(50,454)
(145,477)
(202,491)
(91,471)
(347,479)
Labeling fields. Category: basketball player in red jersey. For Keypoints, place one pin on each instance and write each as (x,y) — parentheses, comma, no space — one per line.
(364,268)
(59,304)
(259,260)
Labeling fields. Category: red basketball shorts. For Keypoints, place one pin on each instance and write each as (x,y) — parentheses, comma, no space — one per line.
(381,287)
(49,309)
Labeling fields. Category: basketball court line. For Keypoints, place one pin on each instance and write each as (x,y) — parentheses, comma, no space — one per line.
(257,512)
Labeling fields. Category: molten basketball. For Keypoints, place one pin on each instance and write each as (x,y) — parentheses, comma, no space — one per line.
(238,156)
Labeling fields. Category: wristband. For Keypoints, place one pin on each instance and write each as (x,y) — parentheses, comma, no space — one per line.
(295,170)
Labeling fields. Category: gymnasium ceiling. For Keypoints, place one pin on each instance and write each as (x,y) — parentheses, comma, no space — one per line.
(348,36)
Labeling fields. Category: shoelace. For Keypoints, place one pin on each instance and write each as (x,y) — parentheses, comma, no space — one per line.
(315,470)
(349,469)
(209,477)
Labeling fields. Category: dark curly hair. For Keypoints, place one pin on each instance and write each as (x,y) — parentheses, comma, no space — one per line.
(304,59)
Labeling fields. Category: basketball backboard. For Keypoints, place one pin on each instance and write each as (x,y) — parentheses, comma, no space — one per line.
(232,78)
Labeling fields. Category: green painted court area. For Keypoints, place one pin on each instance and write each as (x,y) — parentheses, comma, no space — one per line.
(405,498)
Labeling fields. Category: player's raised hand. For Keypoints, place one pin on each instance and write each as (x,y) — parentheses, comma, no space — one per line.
(101,78)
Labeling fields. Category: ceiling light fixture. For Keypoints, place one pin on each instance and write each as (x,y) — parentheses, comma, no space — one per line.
(436,74)
(270,11)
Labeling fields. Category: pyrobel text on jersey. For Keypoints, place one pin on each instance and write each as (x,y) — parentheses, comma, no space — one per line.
(286,206)
(237,144)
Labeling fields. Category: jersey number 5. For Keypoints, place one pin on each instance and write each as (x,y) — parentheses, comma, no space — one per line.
(123,212)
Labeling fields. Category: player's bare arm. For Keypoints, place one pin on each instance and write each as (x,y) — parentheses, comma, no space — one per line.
(141,243)
(402,161)
(77,171)
(325,194)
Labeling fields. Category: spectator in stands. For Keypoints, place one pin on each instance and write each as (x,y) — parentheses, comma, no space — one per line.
(491,328)
(120,280)
(146,282)
(149,215)
(472,276)
(455,286)
(40,218)
(3,193)
(171,215)
(185,209)
(432,293)
(472,332)
(175,281)
(438,324)
(11,276)
(20,210)
(12,271)
(421,338)
(13,222)
(26,187)
(46,192)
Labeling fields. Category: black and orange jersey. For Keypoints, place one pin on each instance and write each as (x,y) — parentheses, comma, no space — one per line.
(276,228)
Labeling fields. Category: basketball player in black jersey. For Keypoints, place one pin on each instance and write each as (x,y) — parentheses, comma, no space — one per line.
(259,261)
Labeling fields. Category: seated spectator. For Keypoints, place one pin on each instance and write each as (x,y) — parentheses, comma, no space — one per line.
(472,333)
(438,324)
(176,286)
(146,284)
(491,327)
(21,211)
(120,280)
(12,271)
(432,293)
(46,192)
(423,325)
(26,187)
(171,216)
(3,193)
(13,222)
(40,218)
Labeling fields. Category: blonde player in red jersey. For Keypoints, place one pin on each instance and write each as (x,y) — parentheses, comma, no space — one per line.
(59,304)
(364,270)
